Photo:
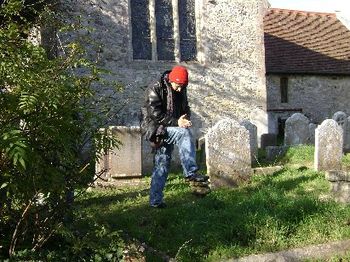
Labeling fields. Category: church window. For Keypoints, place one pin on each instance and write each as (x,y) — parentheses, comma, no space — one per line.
(284,89)
(163,30)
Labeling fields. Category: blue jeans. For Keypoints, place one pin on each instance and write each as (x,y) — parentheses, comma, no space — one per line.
(181,137)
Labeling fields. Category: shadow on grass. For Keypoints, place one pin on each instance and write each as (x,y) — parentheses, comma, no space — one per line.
(262,216)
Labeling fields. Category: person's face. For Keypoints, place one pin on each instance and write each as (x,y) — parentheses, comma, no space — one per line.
(176,87)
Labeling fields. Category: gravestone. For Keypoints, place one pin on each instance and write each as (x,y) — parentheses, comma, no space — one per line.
(201,151)
(312,128)
(268,140)
(275,152)
(124,161)
(342,120)
(253,135)
(228,156)
(259,118)
(328,146)
(297,130)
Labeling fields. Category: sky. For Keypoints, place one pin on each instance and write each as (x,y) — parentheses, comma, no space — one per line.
(314,5)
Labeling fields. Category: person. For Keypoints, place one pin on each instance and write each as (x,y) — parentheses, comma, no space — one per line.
(165,123)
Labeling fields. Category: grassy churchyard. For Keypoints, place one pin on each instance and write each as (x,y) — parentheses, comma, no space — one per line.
(287,209)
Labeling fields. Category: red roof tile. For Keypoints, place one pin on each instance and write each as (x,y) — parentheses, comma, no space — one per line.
(305,42)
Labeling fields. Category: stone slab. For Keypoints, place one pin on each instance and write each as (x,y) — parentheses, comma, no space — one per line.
(125,160)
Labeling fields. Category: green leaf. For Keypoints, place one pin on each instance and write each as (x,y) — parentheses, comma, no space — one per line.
(3,185)
(22,162)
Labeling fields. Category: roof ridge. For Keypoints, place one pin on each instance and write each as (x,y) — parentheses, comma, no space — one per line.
(302,11)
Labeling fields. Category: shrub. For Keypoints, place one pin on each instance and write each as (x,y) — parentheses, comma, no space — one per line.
(48,128)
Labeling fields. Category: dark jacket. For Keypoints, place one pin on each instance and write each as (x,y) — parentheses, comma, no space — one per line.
(155,113)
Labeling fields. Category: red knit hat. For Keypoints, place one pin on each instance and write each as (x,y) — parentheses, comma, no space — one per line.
(179,75)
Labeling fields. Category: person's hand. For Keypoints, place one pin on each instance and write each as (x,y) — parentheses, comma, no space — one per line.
(184,122)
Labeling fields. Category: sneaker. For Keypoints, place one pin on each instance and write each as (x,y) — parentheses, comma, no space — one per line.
(161,205)
(197,178)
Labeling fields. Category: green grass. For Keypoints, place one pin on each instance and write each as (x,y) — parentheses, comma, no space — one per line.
(302,155)
(346,162)
(290,208)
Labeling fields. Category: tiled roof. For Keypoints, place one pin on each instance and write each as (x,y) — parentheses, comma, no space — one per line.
(306,43)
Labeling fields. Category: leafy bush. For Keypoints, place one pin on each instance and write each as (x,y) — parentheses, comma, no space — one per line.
(48,128)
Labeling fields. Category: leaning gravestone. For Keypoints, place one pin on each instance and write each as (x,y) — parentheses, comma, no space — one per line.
(228,155)
(253,135)
(342,120)
(297,130)
(125,160)
(328,146)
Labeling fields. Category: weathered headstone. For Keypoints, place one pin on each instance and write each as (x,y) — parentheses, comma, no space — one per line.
(297,130)
(268,140)
(228,155)
(328,146)
(124,161)
(253,135)
(342,120)
(312,128)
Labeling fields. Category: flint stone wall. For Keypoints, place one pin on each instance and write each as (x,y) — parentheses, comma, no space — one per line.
(297,130)
(229,80)
(328,146)
(228,155)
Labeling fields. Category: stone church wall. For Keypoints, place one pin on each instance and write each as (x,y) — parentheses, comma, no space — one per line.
(227,81)
(319,97)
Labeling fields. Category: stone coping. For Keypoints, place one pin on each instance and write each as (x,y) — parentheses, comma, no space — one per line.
(337,175)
